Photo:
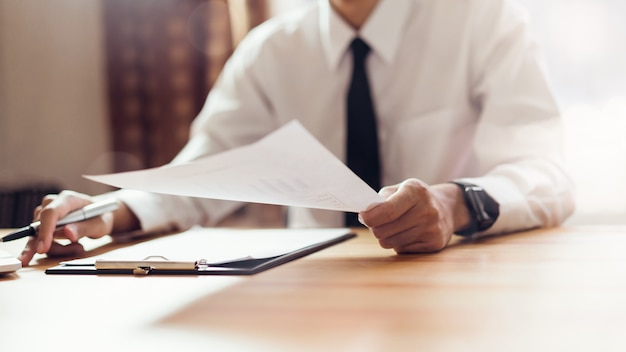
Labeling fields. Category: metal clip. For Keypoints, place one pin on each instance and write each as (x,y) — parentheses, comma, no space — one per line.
(142,270)
(202,264)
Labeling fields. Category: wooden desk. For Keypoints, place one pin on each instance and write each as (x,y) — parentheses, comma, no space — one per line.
(548,290)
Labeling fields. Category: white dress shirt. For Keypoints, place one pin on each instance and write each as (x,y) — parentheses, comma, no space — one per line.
(458,89)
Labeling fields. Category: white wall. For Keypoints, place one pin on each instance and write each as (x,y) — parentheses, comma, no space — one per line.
(52,93)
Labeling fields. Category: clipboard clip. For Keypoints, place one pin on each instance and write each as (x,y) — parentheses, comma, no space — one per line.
(141,270)
(148,264)
(202,264)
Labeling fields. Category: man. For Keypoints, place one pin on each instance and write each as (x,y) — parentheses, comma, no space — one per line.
(458,94)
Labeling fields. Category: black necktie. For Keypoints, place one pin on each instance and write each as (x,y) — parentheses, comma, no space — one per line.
(362,138)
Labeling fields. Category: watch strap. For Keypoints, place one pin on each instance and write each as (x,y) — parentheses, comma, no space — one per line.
(483,209)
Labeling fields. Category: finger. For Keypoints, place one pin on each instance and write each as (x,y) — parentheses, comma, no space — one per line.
(45,201)
(48,198)
(422,220)
(419,239)
(428,243)
(28,252)
(430,246)
(66,232)
(36,212)
(409,194)
(56,209)
(402,239)
(92,228)
(71,250)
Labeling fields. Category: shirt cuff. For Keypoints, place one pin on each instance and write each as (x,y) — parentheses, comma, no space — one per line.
(515,213)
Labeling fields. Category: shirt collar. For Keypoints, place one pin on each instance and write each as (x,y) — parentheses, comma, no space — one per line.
(382,31)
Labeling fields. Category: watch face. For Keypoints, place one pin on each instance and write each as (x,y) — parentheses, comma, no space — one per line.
(487,224)
(488,212)
(483,209)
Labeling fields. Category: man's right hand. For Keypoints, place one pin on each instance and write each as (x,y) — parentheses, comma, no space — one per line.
(55,207)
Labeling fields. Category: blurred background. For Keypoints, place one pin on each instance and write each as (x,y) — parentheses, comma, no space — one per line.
(96,86)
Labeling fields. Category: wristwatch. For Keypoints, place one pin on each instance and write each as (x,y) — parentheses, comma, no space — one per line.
(483,209)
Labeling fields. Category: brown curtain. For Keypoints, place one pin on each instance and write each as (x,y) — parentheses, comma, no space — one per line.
(162,59)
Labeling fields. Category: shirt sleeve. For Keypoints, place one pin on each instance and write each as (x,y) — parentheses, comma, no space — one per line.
(518,141)
(235,113)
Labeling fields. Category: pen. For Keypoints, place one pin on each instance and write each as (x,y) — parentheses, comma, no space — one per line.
(88,212)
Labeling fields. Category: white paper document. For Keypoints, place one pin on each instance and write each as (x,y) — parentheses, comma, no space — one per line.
(287,167)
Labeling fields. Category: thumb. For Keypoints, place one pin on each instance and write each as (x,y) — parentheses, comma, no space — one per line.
(388,191)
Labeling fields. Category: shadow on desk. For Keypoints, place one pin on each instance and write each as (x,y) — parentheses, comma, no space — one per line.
(9,277)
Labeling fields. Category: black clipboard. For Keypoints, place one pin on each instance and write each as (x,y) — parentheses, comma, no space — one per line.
(159,265)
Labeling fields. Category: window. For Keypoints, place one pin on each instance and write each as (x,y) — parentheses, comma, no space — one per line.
(583,43)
